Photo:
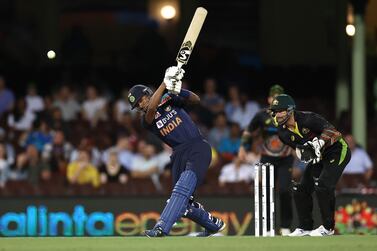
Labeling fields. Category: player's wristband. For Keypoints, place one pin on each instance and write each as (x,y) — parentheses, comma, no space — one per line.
(184,93)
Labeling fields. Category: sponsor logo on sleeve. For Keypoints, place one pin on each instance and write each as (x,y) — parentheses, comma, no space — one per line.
(159,124)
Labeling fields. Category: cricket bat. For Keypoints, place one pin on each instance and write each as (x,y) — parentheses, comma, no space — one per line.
(191,36)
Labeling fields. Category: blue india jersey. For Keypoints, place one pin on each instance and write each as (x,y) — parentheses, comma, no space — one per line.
(171,123)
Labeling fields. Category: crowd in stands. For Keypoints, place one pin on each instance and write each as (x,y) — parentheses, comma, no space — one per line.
(88,138)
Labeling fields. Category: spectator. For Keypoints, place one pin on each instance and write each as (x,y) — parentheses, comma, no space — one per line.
(112,171)
(87,143)
(123,150)
(81,171)
(126,125)
(48,105)
(57,153)
(229,146)
(234,101)
(236,171)
(163,157)
(31,163)
(122,106)
(34,102)
(6,97)
(4,166)
(146,165)
(219,131)
(20,119)
(40,136)
(68,105)
(57,122)
(245,112)
(9,149)
(359,170)
(94,107)
(211,99)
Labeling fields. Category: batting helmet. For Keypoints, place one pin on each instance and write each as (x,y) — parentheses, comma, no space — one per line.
(136,93)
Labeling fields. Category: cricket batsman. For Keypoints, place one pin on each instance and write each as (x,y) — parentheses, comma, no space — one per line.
(165,116)
(319,144)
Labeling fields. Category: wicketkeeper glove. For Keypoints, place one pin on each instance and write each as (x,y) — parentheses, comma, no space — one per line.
(305,153)
(317,145)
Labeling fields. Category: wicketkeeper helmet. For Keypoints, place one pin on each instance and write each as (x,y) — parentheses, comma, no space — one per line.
(283,102)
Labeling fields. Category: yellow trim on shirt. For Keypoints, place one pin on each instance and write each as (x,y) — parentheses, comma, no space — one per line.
(296,130)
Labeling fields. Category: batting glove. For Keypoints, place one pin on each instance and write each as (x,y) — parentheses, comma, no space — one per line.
(169,84)
(177,86)
(174,72)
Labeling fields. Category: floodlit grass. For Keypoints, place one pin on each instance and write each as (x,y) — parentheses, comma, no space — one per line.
(333,243)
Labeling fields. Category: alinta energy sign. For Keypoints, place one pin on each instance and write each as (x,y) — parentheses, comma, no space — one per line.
(39,221)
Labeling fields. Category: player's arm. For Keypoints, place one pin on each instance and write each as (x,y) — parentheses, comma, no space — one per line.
(252,130)
(154,102)
(247,136)
(328,134)
(189,97)
(172,82)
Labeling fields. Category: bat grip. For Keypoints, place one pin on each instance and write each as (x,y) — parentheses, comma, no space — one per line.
(179,65)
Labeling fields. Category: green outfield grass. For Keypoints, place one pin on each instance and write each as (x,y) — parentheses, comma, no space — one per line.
(334,243)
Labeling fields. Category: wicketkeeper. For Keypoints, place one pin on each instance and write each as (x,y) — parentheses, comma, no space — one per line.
(319,144)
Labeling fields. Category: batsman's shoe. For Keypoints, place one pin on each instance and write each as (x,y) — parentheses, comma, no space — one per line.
(299,233)
(155,232)
(285,231)
(207,233)
(322,231)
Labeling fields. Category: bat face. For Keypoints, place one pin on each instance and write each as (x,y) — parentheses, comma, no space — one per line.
(191,36)
(184,53)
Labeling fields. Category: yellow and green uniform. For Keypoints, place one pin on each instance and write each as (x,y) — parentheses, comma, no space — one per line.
(321,177)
